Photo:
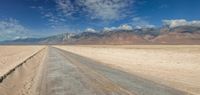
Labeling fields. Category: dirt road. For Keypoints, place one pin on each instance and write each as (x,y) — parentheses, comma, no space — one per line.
(65,73)
(176,66)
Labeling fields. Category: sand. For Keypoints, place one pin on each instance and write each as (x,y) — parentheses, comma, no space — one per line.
(174,66)
(11,56)
(23,80)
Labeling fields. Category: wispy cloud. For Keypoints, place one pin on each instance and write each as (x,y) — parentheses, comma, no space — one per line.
(54,19)
(96,9)
(12,29)
(139,22)
(66,7)
(180,22)
(107,29)
(107,9)
(103,11)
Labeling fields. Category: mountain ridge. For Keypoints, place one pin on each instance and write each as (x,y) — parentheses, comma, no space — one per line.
(164,35)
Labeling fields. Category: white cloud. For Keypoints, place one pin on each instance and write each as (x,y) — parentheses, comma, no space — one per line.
(181,22)
(107,29)
(90,30)
(125,27)
(107,9)
(11,29)
(145,26)
(121,27)
(54,19)
(96,9)
(138,22)
(103,11)
(66,7)
(20,37)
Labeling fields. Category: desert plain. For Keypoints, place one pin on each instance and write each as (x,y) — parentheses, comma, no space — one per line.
(100,70)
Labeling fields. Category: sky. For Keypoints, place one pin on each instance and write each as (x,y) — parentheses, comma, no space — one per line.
(38,18)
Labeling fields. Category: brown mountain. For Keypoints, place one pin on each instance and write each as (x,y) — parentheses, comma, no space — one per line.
(177,38)
(177,35)
(124,37)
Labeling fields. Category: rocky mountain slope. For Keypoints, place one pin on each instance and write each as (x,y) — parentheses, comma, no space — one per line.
(177,35)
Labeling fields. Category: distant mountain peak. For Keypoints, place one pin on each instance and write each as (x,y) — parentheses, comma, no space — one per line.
(165,35)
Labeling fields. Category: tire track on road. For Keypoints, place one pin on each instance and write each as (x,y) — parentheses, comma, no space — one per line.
(60,76)
(130,82)
(97,80)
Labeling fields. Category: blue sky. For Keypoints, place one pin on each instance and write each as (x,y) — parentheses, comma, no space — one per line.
(24,18)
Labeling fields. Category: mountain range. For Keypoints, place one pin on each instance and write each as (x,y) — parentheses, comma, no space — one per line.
(164,35)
